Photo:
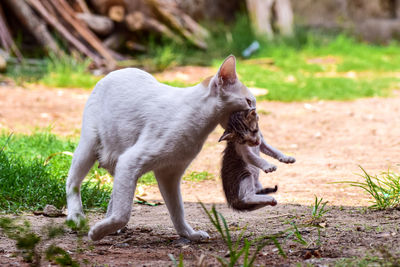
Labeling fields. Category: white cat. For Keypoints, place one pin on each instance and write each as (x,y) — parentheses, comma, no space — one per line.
(132,124)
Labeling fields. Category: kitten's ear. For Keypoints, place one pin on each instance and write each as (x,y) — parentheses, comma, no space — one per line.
(227,71)
(252,113)
(226,136)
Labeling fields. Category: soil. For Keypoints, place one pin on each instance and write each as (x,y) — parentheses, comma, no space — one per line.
(329,139)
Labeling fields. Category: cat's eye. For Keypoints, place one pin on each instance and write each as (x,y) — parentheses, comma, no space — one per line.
(248,101)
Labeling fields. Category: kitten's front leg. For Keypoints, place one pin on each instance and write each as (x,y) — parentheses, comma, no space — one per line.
(250,157)
(275,153)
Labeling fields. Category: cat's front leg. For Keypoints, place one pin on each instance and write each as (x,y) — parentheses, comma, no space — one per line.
(169,183)
(275,153)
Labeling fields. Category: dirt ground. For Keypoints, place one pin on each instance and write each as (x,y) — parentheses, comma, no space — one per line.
(329,140)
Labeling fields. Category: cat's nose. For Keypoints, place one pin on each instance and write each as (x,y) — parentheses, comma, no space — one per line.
(256,142)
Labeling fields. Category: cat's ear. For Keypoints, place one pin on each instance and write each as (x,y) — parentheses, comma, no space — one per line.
(227,71)
(226,136)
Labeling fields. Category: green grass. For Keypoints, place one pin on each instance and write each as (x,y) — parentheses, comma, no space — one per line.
(34,168)
(30,245)
(52,71)
(29,179)
(240,250)
(318,209)
(309,66)
(380,256)
(198,176)
(384,189)
(328,68)
(68,72)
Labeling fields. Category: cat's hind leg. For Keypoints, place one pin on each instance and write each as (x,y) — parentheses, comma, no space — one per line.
(169,183)
(83,159)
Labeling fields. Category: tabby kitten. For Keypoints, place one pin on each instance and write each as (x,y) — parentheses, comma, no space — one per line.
(242,160)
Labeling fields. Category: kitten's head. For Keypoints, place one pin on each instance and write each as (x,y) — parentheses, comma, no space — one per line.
(243,128)
(231,93)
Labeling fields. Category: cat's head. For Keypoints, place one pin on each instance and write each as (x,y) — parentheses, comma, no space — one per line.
(231,93)
(243,128)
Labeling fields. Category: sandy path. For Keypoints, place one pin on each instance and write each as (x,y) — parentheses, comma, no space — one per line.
(328,138)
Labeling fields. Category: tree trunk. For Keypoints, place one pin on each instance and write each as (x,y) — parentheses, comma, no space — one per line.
(35,25)
(260,12)
(65,32)
(6,38)
(99,24)
(284,17)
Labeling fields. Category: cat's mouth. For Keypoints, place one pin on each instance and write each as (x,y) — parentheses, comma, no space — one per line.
(254,143)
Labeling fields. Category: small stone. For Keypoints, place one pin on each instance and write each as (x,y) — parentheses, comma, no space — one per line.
(122,245)
(51,211)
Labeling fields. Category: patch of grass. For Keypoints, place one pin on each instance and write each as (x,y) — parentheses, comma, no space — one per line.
(242,249)
(318,68)
(300,86)
(175,262)
(379,257)
(309,66)
(384,189)
(198,176)
(148,179)
(34,169)
(28,181)
(68,71)
(53,71)
(29,243)
(318,209)
(178,83)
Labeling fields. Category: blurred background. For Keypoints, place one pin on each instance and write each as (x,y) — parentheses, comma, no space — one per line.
(326,74)
(39,37)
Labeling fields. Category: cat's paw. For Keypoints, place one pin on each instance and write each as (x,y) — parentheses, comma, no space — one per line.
(94,235)
(196,236)
(77,218)
(287,159)
(269,168)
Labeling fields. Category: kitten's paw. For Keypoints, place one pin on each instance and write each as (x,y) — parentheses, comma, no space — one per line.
(287,159)
(273,202)
(196,236)
(270,168)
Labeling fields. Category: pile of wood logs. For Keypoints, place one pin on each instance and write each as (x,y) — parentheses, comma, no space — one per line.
(96,29)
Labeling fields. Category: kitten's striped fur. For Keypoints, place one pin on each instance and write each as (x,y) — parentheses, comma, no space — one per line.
(239,178)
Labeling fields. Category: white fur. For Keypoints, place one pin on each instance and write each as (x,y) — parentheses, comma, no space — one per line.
(133,124)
